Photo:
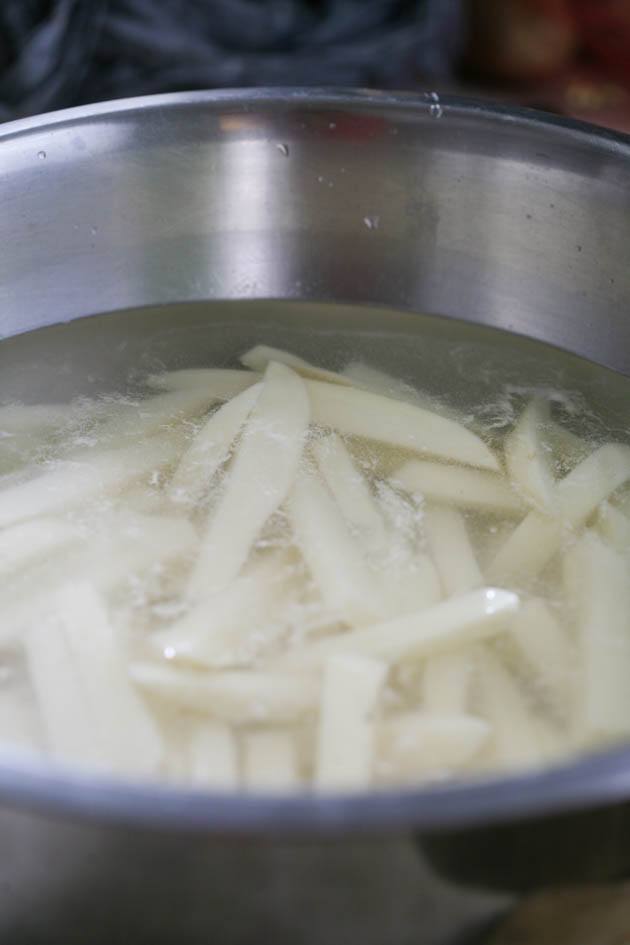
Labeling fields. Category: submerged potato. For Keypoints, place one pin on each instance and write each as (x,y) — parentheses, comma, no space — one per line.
(283,577)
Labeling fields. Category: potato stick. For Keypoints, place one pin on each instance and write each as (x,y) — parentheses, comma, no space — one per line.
(464,488)
(270,761)
(128,549)
(464,619)
(362,413)
(221,383)
(566,447)
(259,357)
(451,549)
(332,555)
(351,689)
(592,481)
(598,591)
(236,697)
(350,489)
(530,547)
(545,649)
(153,414)
(622,502)
(446,682)
(258,482)
(70,731)
(212,760)
(369,378)
(519,737)
(408,586)
(211,447)
(23,544)
(128,735)
(417,745)
(613,526)
(232,626)
(69,484)
(527,458)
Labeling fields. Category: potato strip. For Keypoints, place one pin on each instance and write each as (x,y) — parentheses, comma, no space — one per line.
(464,488)
(261,356)
(451,550)
(528,460)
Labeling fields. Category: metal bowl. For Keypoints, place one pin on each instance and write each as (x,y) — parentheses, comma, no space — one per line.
(502,217)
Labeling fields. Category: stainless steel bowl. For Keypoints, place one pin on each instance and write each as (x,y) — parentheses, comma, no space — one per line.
(502,217)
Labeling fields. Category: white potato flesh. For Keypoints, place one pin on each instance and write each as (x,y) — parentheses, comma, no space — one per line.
(463,619)
(446,682)
(592,481)
(409,586)
(332,555)
(351,689)
(597,586)
(361,413)
(211,447)
(613,526)
(151,415)
(270,761)
(350,489)
(211,756)
(35,419)
(452,550)
(259,357)
(28,542)
(545,649)
(220,383)
(262,474)
(69,484)
(128,735)
(519,737)
(417,745)
(237,697)
(70,731)
(527,550)
(464,488)
(528,459)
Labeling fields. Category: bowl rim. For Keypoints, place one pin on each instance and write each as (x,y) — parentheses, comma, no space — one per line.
(587,782)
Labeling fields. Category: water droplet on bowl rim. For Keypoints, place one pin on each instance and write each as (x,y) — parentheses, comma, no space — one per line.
(41,155)
(283,149)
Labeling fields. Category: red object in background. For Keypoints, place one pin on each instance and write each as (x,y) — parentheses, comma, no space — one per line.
(605,32)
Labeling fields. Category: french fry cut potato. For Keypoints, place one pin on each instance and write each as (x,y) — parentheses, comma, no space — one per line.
(598,593)
(128,736)
(526,552)
(613,526)
(446,682)
(592,481)
(331,554)
(270,761)
(416,746)
(259,357)
(545,649)
(528,459)
(236,697)
(212,756)
(452,550)
(362,413)
(464,619)
(69,484)
(345,752)
(28,542)
(220,383)
(211,447)
(262,474)
(464,488)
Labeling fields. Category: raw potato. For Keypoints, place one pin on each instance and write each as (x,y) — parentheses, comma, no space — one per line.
(464,488)
(597,587)
(361,413)
(528,460)
(345,751)
(286,577)
(264,469)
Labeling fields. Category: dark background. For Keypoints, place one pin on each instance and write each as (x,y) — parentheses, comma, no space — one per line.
(571,56)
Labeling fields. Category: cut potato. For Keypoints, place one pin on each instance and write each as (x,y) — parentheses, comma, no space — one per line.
(261,356)
(362,413)
(264,469)
(351,689)
(446,682)
(464,488)
(452,550)
(527,458)
(592,481)
(211,447)
(220,383)
(212,757)
(546,650)
(464,619)
(270,761)
(24,544)
(414,745)
(597,586)
(528,549)
(613,526)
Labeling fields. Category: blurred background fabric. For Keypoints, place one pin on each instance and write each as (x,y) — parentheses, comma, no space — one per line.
(567,56)
(58,53)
